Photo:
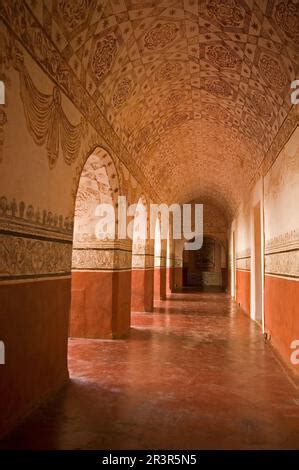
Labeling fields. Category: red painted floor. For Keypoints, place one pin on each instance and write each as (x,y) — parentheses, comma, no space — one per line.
(195,374)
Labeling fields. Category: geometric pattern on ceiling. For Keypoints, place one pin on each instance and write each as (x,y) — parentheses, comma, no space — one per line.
(224,158)
(171,76)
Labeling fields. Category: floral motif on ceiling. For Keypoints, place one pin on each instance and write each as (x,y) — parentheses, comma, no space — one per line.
(286,14)
(168,71)
(218,87)
(74,13)
(227,12)
(122,92)
(105,50)
(222,57)
(259,103)
(160,36)
(176,119)
(273,72)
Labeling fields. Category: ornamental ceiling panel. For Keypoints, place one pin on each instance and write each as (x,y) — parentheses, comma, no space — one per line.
(196,90)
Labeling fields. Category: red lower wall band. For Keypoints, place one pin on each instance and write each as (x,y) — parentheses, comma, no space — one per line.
(282,315)
(34,319)
(160,283)
(243,290)
(142,290)
(101,304)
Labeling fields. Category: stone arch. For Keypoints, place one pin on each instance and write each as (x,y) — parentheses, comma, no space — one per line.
(205,268)
(142,260)
(160,263)
(140,233)
(170,259)
(97,263)
(105,156)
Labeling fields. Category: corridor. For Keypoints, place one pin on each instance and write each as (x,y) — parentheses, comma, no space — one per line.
(194,374)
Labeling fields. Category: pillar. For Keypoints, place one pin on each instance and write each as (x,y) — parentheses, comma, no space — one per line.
(142,299)
(101,291)
(160,273)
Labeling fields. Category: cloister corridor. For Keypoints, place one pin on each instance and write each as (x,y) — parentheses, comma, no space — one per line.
(195,373)
(149,230)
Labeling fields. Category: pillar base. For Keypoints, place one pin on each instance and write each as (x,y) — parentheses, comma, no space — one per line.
(142,290)
(34,320)
(101,304)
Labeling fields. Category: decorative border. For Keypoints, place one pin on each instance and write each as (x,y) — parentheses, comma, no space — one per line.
(160,263)
(101,260)
(283,263)
(282,255)
(104,245)
(282,243)
(246,253)
(142,261)
(243,264)
(23,257)
(23,219)
(138,260)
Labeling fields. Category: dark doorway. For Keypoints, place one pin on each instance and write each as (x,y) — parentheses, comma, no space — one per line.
(206,269)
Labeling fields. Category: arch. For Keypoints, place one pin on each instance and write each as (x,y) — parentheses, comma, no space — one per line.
(2,92)
(205,269)
(160,263)
(158,243)
(142,262)
(97,261)
(107,157)
(170,261)
(140,232)
(98,184)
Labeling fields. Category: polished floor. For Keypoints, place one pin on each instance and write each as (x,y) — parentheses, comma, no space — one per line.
(194,374)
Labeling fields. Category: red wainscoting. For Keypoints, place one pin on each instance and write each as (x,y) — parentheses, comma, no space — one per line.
(177,278)
(282,315)
(169,280)
(243,290)
(229,281)
(34,320)
(101,304)
(160,284)
(142,290)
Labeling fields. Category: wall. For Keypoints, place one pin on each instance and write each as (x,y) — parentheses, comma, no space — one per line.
(277,193)
(282,249)
(36,213)
(245,250)
(143,257)
(170,263)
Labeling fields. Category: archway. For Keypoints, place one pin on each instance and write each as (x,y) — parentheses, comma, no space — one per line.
(205,269)
(160,263)
(98,308)
(169,262)
(142,262)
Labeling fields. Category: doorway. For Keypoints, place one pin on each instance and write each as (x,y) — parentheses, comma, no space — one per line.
(204,269)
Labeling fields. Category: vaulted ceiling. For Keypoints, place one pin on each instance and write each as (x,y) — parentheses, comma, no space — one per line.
(196,89)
